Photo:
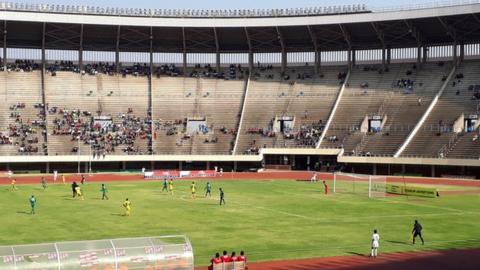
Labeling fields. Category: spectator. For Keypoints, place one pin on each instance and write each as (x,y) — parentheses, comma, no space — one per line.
(225,257)
(214,261)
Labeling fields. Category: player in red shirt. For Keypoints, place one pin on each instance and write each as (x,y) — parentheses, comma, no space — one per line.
(233,258)
(242,258)
(215,260)
(225,258)
(325,187)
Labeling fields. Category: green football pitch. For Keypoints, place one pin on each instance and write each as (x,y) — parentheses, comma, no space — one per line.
(268,219)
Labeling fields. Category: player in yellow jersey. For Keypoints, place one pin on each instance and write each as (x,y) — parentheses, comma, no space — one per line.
(193,189)
(79,193)
(128,208)
(170,186)
(14,184)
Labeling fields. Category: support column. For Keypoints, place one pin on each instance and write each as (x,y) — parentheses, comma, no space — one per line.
(384,58)
(207,166)
(150,94)
(4,46)
(374,169)
(117,52)
(353,57)
(349,59)
(184,52)
(284,61)
(152,165)
(235,166)
(124,165)
(389,56)
(217,62)
(425,54)
(180,165)
(419,56)
(403,169)
(462,52)
(250,62)
(47,167)
(42,80)
(184,63)
(318,61)
(454,53)
(432,171)
(80,49)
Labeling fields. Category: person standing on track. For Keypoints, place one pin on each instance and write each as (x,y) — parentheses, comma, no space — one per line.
(222,196)
(417,231)
(325,188)
(14,184)
(314,178)
(44,183)
(375,244)
(63,179)
(82,180)
(55,176)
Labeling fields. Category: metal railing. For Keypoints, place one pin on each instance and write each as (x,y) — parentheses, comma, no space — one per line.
(222,13)
(434,4)
(184,13)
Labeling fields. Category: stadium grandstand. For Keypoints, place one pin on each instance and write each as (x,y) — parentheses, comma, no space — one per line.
(366,91)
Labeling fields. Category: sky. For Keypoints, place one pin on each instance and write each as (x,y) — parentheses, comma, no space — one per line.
(224,4)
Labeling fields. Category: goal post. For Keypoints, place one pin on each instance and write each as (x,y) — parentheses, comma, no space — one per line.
(373,186)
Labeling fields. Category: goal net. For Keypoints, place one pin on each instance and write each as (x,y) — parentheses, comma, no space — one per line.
(373,186)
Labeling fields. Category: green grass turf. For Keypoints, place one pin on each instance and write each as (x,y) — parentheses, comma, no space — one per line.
(268,219)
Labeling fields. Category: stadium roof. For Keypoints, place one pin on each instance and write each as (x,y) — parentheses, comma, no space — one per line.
(261,31)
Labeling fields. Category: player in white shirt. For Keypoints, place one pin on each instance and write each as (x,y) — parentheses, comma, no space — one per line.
(55,176)
(375,244)
(314,178)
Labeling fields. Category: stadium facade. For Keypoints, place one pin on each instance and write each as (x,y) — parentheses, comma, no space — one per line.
(433,41)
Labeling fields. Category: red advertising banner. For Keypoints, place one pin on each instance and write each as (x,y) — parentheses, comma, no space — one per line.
(166,174)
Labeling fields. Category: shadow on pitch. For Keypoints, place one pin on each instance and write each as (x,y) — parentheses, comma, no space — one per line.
(356,254)
(24,213)
(118,215)
(397,242)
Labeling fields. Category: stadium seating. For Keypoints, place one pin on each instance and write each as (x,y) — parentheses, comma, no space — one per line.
(179,98)
(437,130)
(299,95)
(21,88)
(306,100)
(383,97)
(101,95)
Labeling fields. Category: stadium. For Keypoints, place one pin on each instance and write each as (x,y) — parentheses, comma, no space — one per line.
(138,138)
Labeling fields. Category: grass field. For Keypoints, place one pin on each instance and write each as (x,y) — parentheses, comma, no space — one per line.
(268,219)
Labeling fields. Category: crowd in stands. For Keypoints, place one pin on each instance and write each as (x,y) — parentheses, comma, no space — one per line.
(208,71)
(23,133)
(22,66)
(218,262)
(169,70)
(309,134)
(104,137)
